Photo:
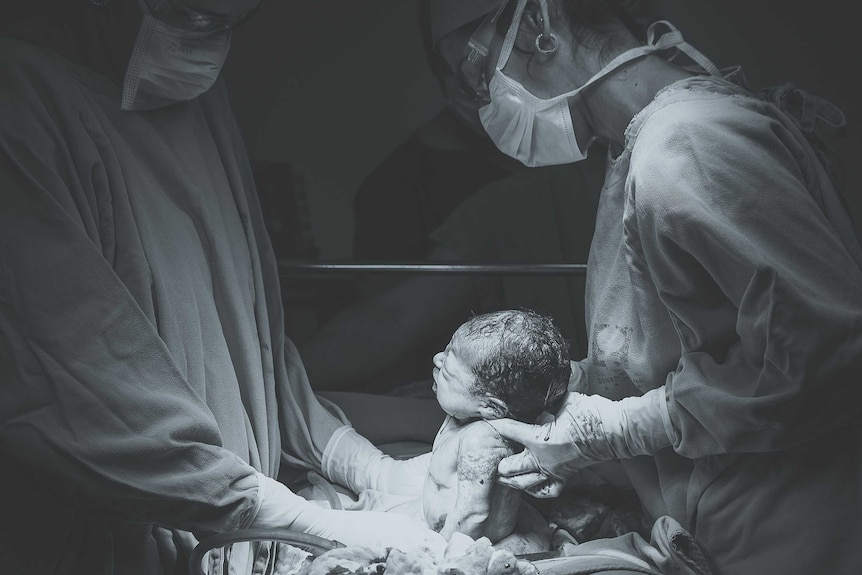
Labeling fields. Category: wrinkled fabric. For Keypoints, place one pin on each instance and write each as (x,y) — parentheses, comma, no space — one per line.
(671,550)
(145,371)
(725,268)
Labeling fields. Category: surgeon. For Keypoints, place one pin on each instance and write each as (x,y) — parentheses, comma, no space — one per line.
(148,395)
(724,289)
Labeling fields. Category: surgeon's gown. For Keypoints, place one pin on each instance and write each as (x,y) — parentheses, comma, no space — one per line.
(724,267)
(145,373)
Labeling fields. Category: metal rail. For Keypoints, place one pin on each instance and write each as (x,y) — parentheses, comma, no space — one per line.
(309,543)
(292,268)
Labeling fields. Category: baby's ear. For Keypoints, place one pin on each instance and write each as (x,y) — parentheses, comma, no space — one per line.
(493,408)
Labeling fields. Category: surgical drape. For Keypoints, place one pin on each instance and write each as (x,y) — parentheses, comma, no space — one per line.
(146,375)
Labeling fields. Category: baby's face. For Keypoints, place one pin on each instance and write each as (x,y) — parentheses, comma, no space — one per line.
(453,381)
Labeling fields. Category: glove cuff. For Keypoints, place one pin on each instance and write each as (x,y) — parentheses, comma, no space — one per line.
(352,461)
(645,426)
(252,517)
(277,506)
(330,466)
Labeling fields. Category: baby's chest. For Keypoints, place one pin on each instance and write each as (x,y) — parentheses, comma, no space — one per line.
(444,459)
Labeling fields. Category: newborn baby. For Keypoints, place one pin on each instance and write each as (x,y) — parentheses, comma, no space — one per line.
(512,363)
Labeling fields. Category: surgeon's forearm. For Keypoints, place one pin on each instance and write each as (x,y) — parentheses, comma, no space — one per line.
(353,461)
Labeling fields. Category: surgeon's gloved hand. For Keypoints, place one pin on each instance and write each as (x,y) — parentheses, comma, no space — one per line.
(354,462)
(588,429)
(279,507)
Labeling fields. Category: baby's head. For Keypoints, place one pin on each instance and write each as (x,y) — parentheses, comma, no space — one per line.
(511,363)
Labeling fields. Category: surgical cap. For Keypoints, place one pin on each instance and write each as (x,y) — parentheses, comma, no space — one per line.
(449,15)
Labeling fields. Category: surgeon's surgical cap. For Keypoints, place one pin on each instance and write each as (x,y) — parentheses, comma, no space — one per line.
(449,15)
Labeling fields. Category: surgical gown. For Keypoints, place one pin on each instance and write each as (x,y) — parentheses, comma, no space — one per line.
(145,372)
(724,267)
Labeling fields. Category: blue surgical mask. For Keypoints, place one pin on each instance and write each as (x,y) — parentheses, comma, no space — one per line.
(170,65)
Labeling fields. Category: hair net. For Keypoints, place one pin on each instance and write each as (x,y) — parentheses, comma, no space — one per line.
(449,15)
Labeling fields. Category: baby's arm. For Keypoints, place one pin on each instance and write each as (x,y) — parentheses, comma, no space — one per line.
(480,450)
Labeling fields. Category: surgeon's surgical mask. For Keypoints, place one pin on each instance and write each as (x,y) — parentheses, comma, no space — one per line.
(177,56)
(540,132)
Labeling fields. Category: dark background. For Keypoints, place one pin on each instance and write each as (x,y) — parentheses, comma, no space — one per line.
(333,86)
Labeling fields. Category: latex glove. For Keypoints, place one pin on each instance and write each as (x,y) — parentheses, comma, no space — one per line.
(588,429)
(356,463)
(278,506)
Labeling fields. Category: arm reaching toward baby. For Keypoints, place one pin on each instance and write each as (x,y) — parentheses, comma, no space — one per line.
(278,507)
(353,461)
(588,429)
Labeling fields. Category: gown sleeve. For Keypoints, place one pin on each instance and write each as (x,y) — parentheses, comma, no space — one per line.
(89,393)
(766,299)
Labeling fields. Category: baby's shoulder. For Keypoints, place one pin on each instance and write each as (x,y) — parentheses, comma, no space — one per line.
(482,435)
